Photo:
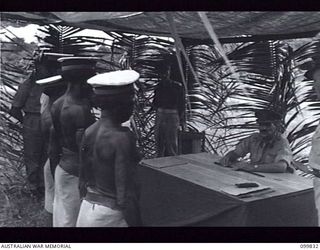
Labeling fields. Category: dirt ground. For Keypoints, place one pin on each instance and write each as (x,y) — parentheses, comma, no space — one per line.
(21,209)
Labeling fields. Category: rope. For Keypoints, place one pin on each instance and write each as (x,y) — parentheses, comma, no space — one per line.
(216,42)
(181,46)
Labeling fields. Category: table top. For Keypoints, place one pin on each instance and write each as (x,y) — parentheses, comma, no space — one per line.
(200,169)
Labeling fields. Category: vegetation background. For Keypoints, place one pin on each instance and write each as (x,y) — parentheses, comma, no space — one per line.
(219,102)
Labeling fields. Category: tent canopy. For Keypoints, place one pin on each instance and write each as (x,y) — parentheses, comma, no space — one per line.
(228,25)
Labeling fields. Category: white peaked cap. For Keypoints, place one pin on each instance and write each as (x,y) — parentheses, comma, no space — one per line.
(74,58)
(114,79)
(49,80)
(57,54)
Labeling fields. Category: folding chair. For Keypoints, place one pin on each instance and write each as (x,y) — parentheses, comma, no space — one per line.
(190,142)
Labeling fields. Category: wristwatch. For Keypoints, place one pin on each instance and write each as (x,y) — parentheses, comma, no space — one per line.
(255,166)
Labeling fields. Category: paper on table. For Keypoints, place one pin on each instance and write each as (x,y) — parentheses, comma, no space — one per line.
(164,162)
(234,190)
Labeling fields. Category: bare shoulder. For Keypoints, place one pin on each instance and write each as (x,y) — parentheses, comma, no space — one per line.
(118,139)
(91,130)
(57,104)
(107,142)
(59,101)
(123,136)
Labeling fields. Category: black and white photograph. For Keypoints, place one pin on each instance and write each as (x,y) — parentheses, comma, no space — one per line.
(160,119)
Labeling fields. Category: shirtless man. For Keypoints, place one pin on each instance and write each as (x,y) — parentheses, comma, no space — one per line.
(71,115)
(109,156)
(53,88)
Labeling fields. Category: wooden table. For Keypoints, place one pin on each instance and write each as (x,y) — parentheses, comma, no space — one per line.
(188,190)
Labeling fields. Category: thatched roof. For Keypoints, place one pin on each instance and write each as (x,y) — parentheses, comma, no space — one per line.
(226,24)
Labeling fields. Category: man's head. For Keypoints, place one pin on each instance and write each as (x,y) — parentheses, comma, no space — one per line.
(53,86)
(77,69)
(47,65)
(166,65)
(114,92)
(47,74)
(269,123)
(119,108)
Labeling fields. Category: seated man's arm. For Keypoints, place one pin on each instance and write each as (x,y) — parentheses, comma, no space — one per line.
(285,155)
(281,164)
(229,158)
(276,167)
(241,150)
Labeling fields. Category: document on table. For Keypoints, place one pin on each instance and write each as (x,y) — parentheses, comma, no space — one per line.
(234,190)
(165,162)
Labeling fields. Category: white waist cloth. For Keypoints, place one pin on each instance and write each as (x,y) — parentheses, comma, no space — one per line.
(67,201)
(49,188)
(94,215)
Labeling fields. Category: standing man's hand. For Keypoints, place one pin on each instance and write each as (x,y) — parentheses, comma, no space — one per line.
(53,165)
(82,189)
(182,126)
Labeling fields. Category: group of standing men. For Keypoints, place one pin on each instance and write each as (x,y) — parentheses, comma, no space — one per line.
(90,174)
(90,165)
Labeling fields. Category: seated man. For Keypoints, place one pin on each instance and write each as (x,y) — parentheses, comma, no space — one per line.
(269,150)
(109,156)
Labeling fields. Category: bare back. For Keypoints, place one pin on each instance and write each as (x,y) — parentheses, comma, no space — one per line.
(109,160)
(70,117)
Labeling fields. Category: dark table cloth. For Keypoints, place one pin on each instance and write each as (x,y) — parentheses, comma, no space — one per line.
(185,190)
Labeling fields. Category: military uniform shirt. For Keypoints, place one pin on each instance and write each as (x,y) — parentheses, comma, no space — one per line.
(169,94)
(261,153)
(28,95)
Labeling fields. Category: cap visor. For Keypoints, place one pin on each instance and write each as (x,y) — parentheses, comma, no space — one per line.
(114,78)
(49,80)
